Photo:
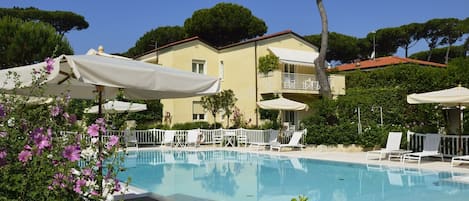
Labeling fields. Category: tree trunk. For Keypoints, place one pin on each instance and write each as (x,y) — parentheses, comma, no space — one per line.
(429,54)
(447,54)
(320,62)
(406,50)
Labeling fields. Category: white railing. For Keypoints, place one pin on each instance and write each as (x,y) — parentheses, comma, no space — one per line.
(298,81)
(448,144)
(155,136)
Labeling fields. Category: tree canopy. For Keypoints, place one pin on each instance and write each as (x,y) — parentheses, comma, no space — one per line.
(62,21)
(224,24)
(160,36)
(29,42)
(341,47)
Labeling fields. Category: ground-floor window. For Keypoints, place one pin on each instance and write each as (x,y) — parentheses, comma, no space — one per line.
(198,112)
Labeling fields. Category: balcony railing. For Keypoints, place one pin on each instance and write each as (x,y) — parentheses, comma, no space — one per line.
(296,81)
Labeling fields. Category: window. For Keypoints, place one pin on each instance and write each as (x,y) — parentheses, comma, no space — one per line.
(198,66)
(198,112)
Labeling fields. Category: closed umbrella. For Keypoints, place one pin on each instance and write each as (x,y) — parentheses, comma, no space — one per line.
(117,107)
(457,96)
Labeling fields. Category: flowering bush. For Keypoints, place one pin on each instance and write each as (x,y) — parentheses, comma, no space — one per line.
(46,155)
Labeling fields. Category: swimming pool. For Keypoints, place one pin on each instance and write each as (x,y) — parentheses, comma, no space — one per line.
(229,176)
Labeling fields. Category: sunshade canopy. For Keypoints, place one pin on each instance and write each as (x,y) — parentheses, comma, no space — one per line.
(296,57)
(136,79)
(117,107)
(449,97)
(282,104)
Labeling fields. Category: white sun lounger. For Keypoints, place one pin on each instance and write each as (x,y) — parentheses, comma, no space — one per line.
(459,159)
(392,146)
(294,142)
(192,138)
(431,146)
(168,138)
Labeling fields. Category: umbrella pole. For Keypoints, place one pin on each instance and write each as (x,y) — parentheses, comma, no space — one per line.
(100,90)
(460,130)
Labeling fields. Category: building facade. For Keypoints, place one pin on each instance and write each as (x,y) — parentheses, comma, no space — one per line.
(237,67)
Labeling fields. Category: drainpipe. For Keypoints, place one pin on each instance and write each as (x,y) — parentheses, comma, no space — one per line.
(255,74)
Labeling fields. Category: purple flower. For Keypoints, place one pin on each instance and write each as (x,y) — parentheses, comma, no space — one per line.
(113,140)
(58,179)
(71,118)
(42,142)
(24,156)
(93,130)
(78,184)
(72,152)
(3,154)
(87,172)
(3,134)
(55,111)
(2,111)
(49,65)
(100,121)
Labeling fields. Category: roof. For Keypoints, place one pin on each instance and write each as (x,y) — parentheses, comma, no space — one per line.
(383,62)
(264,37)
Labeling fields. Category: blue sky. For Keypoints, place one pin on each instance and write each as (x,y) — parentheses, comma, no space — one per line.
(117,25)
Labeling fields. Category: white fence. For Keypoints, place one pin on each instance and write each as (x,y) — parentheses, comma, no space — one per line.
(155,136)
(448,145)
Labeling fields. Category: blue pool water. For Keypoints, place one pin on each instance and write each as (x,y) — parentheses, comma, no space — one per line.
(230,176)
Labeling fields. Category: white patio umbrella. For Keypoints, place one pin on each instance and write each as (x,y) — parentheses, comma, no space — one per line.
(282,104)
(117,107)
(109,75)
(457,96)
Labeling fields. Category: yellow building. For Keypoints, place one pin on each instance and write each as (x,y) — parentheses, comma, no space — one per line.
(237,67)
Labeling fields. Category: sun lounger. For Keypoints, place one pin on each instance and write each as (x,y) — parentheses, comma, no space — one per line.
(459,159)
(431,145)
(294,142)
(392,146)
(192,137)
(168,138)
(130,138)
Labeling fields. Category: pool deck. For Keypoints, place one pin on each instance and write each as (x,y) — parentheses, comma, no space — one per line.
(429,164)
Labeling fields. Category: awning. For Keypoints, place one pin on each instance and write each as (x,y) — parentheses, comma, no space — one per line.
(296,57)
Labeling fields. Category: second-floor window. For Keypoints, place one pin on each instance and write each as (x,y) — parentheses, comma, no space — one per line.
(198,66)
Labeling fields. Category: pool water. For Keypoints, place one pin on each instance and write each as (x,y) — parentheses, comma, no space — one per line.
(230,176)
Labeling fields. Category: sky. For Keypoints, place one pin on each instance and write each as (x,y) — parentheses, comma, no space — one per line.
(118,24)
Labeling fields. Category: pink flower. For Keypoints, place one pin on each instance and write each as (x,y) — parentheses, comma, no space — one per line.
(87,172)
(49,65)
(70,118)
(78,184)
(3,133)
(93,130)
(55,111)
(72,152)
(100,121)
(113,140)
(24,156)
(3,154)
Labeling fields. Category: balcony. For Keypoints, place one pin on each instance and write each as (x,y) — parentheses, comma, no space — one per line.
(296,81)
(281,82)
